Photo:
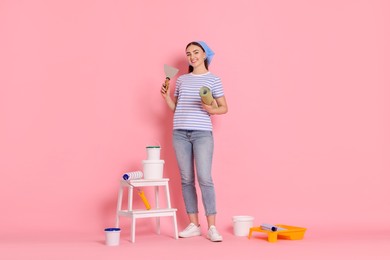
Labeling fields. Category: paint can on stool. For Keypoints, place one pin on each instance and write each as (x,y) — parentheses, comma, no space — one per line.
(153,169)
(153,152)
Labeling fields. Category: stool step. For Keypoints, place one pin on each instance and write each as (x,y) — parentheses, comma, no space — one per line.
(138,213)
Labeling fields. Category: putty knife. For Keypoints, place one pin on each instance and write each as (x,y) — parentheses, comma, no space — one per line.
(170,72)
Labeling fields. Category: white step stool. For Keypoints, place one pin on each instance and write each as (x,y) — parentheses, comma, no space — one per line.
(138,213)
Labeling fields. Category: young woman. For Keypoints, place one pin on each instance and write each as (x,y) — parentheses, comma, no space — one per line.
(193,137)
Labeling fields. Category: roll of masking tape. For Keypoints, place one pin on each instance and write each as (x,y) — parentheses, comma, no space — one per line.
(206,96)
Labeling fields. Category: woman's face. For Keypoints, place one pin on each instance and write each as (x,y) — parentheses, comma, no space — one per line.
(195,56)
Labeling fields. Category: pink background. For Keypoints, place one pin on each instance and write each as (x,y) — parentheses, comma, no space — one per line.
(305,142)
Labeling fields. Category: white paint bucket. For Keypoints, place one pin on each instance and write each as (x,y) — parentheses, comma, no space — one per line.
(153,152)
(242,224)
(153,169)
(112,236)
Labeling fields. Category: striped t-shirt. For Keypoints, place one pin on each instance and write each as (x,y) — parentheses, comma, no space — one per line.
(189,113)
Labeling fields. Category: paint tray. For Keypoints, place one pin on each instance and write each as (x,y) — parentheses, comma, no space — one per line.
(290,233)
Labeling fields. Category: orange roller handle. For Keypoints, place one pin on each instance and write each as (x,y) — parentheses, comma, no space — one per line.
(144,200)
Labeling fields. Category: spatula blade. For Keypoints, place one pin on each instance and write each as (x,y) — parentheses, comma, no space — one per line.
(170,72)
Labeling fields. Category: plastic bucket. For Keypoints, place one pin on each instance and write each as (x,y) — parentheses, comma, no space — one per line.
(153,152)
(242,224)
(153,169)
(112,236)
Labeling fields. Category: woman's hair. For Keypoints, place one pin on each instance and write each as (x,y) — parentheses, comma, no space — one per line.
(206,64)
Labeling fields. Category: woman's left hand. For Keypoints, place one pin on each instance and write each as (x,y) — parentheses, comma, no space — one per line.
(211,108)
(217,107)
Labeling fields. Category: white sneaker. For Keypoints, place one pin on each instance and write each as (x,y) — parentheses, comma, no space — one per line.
(213,234)
(190,231)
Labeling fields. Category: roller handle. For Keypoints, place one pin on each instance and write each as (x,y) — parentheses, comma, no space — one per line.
(140,192)
(144,200)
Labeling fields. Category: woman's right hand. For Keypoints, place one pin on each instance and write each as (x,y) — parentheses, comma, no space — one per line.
(165,89)
(165,93)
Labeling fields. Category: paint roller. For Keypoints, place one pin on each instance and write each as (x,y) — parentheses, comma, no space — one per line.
(170,72)
(206,96)
(270,227)
(133,175)
(128,177)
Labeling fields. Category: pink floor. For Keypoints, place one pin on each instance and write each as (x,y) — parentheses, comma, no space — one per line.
(317,244)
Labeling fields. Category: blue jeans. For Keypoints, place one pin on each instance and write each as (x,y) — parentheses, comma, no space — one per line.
(194,147)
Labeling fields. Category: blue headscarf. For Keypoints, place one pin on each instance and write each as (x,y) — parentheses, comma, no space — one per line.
(209,52)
